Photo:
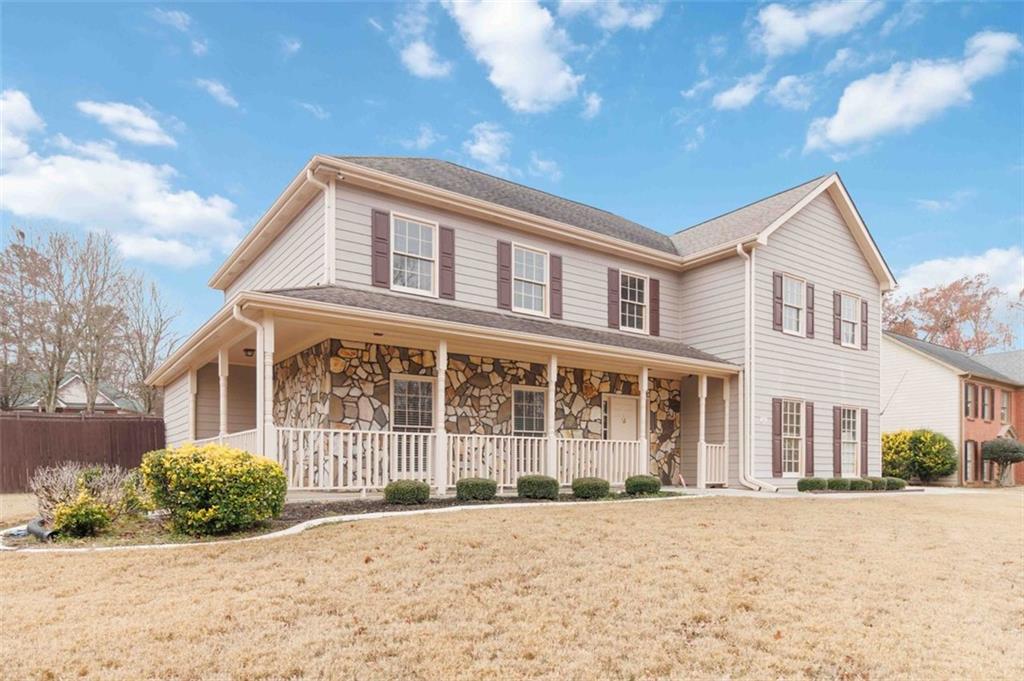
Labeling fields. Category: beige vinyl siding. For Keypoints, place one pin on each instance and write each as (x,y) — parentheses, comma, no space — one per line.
(714,426)
(241,399)
(176,411)
(584,271)
(295,258)
(711,308)
(815,244)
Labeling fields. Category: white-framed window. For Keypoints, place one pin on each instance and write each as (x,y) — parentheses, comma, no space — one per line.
(793,305)
(1004,406)
(632,302)
(413,255)
(849,423)
(792,438)
(412,403)
(529,280)
(849,307)
(986,404)
(528,411)
(970,454)
(969,405)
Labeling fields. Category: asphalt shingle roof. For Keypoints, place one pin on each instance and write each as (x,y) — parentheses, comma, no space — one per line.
(955,358)
(1010,363)
(419,307)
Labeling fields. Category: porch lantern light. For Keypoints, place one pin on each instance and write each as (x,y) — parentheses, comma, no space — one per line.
(249,352)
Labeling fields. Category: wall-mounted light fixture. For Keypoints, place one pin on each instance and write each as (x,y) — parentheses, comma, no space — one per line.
(249,352)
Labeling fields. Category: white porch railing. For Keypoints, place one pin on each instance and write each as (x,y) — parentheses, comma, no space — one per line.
(243,439)
(613,460)
(717,464)
(502,458)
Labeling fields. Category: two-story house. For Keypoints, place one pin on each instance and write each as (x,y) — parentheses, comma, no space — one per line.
(411,318)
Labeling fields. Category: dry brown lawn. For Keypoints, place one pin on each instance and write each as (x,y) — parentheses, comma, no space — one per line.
(897,587)
(17,508)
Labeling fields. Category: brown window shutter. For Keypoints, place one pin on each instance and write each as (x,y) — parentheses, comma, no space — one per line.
(776,437)
(974,402)
(446,274)
(863,325)
(613,298)
(505,275)
(863,442)
(809,440)
(837,318)
(837,441)
(810,310)
(777,301)
(380,227)
(555,264)
(655,311)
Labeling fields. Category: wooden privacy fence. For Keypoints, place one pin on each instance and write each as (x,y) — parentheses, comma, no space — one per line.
(29,440)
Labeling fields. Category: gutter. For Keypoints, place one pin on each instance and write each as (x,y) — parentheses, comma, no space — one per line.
(329,218)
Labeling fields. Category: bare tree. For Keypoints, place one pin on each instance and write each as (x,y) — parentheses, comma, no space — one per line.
(19,295)
(147,338)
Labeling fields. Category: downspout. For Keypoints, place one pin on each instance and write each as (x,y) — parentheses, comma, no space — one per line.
(746,477)
(328,221)
(236,312)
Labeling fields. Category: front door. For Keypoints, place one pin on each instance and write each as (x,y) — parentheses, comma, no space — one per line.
(622,418)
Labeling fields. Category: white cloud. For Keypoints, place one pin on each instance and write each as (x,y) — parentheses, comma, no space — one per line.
(412,26)
(488,144)
(696,139)
(425,138)
(909,94)
(954,201)
(844,58)
(315,110)
(174,18)
(128,122)
(523,49)
(1005,267)
(612,15)
(793,92)
(219,91)
(741,94)
(422,61)
(290,46)
(782,29)
(697,88)
(152,249)
(200,47)
(591,105)
(540,167)
(908,14)
(92,186)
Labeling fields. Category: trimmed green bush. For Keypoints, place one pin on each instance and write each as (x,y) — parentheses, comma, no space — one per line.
(214,489)
(922,454)
(839,483)
(590,488)
(475,489)
(895,483)
(407,492)
(876,483)
(811,484)
(642,484)
(860,485)
(537,487)
(83,517)
(1005,452)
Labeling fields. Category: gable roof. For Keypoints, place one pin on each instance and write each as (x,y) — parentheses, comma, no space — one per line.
(956,360)
(468,182)
(107,395)
(1009,363)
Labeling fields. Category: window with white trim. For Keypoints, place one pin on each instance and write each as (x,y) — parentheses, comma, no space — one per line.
(413,255)
(412,404)
(850,429)
(970,454)
(528,411)
(529,280)
(986,403)
(1004,406)
(850,313)
(968,400)
(792,437)
(793,306)
(632,302)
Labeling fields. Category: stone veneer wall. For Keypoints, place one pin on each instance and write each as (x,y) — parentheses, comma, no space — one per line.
(346,385)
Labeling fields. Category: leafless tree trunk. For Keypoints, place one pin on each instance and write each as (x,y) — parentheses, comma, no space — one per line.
(18,300)
(60,288)
(147,338)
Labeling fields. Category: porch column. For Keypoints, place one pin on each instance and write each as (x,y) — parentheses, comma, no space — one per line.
(222,376)
(549,418)
(440,431)
(193,388)
(702,396)
(645,431)
(265,375)
(725,400)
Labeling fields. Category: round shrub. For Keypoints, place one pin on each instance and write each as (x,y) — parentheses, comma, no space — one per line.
(1005,452)
(537,487)
(895,483)
(922,454)
(876,483)
(590,488)
(475,489)
(214,489)
(642,484)
(860,485)
(839,483)
(811,484)
(407,492)
(83,517)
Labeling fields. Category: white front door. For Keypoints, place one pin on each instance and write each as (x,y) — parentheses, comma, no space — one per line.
(622,417)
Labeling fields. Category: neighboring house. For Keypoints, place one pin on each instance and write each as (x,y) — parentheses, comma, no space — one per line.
(969,399)
(742,351)
(1011,365)
(71,399)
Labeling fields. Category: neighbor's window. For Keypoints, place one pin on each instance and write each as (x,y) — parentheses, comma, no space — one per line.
(986,404)
(412,404)
(632,302)
(970,454)
(850,311)
(850,441)
(527,412)
(1004,406)
(968,400)
(413,255)
(530,280)
(792,305)
(792,436)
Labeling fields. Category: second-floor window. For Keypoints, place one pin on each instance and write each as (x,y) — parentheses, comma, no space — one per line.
(529,280)
(413,255)
(986,404)
(792,305)
(850,312)
(632,302)
(1004,406)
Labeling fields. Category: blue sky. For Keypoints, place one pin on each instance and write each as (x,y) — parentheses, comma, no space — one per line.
(175,126)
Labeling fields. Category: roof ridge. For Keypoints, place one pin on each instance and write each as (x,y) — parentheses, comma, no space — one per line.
(928,342)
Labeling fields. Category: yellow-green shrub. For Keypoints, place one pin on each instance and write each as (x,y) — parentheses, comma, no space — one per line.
(83,517)
(922,454)
(213,489)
